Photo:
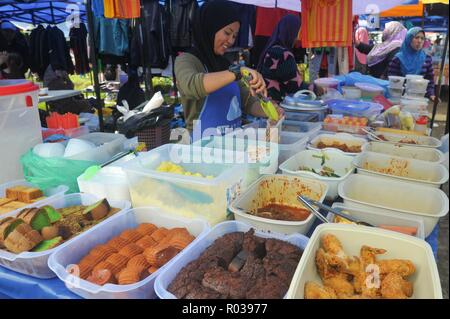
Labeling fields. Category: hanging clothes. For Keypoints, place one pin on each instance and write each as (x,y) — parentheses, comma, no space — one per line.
(98,8)
(35,52)
(122,9)
(111,36)
(326,23)
(155,27)
(181,16)
(78,44)
(268,18)
(58,50)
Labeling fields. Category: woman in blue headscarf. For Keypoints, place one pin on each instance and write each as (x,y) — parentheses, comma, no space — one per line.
(412,59)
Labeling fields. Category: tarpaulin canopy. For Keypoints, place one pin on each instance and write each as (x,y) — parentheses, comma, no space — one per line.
(41,11)
(410,10)
(359,6)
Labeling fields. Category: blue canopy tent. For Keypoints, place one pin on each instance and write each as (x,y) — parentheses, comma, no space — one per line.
(41,11)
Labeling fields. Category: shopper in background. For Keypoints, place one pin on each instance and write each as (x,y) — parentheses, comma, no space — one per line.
(13,66)
(412,59)
(361,36)
(380,55)
(277,62)
(14,43)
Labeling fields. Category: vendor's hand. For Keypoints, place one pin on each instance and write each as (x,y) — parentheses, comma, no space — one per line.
(257,83)
(433,98)
(280,110)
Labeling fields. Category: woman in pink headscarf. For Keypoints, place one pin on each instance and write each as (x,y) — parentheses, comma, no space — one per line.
(361,36)
(380,55)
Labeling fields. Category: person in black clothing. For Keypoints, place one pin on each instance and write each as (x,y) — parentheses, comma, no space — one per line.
(14,66)
(380,55)
(12,41)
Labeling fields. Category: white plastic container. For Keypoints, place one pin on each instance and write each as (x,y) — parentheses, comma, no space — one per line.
(50,193)
(108,145)
(80,247)
(399,246)
(396,82)
(20,126)
(368,90)
(279,189)
(289,143)
(395,92)
(327,83)
(35,264)
(378,218)
(396,197)
(400,168)
(194,251)
(335,159)
(343,138)
(444,149)
(419,85)
(419,141)
(110,183)
(351,92)
(411,94)
(420,153)
(413,77)
(309,128)
(187,196)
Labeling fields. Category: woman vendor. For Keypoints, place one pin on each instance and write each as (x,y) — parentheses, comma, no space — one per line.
(412,59)
(213,98)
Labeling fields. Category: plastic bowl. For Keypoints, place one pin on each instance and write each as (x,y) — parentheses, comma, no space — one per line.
(77,146)
(49,150)
(396,82)
(327,83)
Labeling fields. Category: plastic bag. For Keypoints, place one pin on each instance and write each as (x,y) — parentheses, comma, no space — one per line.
(52,172)
(353,77)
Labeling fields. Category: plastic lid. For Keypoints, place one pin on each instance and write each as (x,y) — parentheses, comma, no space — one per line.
(355,106)
(326,82)
(369,87)
(11,87)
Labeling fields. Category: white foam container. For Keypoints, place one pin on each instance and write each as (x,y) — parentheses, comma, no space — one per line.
(420,153)
(398,198)
(194,251)
(422,141)
(408,170)
(187,196)
(50,193)
(346,138)
(108,145)
(131,218)
(289,143)
(379,218)
(337,160)
(35,263)
(399,246)
(284,190)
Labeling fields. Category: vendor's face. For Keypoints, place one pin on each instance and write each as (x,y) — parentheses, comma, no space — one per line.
(225,37)
(418,41)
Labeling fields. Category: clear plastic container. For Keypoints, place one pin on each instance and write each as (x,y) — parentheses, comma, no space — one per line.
(327,83)
(334,159)
(352,237)
(420,153)
(279,189)
(193,252)
(399,168)
(19,125)
(80,247)
(419,85)
(351,92)
(310,128)
(50,193)
(73,132)
(348,124)
(412,94)
(378,218)
(35,264)
(369,91)
(289,143)
(342,138)
(395,197)
(187,196)
(108,145)
(369,110)
(395,92)
(396,82)
(410,140)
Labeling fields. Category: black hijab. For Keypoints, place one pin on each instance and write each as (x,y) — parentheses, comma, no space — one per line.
(210,18)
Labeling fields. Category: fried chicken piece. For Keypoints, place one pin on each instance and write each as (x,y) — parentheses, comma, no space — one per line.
(366,283)
(393,286)
(316,291)
(368,254)
(401,267)
(340,284)
(328,265)
(332,245)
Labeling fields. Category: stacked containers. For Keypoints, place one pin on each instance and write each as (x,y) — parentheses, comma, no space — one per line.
(18,110)
(396,86)
(416,86)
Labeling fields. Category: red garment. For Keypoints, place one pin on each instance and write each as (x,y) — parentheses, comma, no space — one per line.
(267,19)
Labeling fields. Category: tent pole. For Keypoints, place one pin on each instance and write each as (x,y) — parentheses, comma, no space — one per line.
(99,101)
(52,12)
(438,89)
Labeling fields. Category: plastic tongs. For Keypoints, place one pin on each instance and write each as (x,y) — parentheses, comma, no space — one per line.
(309,202)
(266,104)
